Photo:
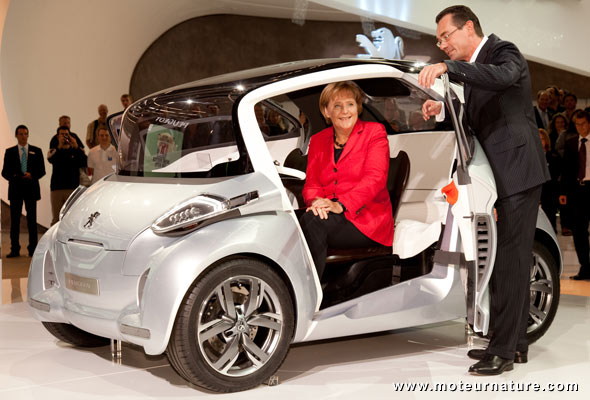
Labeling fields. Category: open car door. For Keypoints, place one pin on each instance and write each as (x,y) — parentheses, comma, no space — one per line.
(474,213)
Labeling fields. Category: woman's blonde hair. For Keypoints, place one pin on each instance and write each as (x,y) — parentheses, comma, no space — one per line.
(332,89)
(546,142)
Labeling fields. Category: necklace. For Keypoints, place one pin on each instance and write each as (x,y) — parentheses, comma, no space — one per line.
(339,145)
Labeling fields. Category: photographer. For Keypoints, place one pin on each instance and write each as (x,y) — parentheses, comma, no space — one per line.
(67,159)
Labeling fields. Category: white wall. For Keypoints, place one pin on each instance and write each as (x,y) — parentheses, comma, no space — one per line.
(68,56)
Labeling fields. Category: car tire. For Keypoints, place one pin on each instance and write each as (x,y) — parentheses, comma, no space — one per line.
(545,288)
(231,344)
(74,336)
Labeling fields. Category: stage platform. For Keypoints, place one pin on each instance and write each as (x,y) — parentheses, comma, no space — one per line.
(34,365)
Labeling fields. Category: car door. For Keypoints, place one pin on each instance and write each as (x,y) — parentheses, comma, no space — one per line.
(473,211)
(438,157)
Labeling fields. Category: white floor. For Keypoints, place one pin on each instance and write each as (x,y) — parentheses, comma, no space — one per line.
(33,365)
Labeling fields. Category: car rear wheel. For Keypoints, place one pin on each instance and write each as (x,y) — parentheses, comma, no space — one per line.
(234,327)
(545,290)
(72,335)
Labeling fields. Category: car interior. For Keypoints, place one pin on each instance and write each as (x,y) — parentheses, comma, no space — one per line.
(351,273)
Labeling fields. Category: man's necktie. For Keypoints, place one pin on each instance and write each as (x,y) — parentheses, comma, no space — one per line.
(582,158)
(23,161)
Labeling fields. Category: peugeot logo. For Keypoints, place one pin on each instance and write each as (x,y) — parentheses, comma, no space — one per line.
(91,219)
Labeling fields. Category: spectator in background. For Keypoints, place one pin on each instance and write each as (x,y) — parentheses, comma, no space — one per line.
(570,101)
(558,130)
(23,167)
(92,129)
(554,104)
(541,110)
(65,120)
(575,181)
(549,194)
(67,159)
(126,100)
(102,158)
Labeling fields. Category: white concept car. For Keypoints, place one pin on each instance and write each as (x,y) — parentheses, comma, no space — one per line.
(193,247)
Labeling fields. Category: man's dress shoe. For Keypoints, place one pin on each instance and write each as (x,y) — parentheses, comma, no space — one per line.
(580,276)
(12,254)
(520,357)
(491,365)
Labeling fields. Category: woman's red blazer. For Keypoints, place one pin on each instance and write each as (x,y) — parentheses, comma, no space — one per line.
(358,180)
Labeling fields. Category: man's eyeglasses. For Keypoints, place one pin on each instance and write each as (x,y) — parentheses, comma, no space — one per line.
(446,37)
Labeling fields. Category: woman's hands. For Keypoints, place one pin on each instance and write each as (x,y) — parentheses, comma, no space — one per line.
(321,207)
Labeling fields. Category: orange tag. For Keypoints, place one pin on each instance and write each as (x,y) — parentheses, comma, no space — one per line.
(451,192)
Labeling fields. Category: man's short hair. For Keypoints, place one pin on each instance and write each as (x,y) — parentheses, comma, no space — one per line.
(20,127)
(541,92)
(579,114)
(461,14)
(570,94)
(62,128)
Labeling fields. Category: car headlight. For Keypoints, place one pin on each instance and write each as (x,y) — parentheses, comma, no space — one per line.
(199,211)
(71,200)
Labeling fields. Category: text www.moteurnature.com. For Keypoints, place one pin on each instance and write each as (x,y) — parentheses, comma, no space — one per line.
(485,387)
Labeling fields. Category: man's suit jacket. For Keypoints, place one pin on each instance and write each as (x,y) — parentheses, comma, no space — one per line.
(358,180)
(499,109)
(539,118)
(569,171)
(18,186)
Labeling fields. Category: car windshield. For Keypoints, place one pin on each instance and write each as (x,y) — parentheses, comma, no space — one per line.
(180,134)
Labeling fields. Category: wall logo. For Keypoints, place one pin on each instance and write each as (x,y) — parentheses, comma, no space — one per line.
(384,45)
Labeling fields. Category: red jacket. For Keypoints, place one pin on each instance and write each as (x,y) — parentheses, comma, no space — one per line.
(358,180)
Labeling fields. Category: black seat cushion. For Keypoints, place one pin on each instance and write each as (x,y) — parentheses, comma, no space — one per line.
(397,177)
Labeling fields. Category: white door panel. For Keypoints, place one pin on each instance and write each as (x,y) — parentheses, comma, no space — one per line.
(431,157)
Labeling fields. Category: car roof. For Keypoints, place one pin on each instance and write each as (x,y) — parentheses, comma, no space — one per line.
(252,78)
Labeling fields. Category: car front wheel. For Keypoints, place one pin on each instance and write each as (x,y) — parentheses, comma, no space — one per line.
(233,328)
(544,292)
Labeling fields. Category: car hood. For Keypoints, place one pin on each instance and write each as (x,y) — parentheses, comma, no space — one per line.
(112,213)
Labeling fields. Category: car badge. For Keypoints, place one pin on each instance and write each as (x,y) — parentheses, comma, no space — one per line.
(91,219)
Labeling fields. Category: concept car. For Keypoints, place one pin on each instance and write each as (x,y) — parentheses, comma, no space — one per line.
(193,247)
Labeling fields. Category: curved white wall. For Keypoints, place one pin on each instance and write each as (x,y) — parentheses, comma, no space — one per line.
(552,32)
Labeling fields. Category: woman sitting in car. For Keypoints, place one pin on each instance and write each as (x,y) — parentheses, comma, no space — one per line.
(345,189)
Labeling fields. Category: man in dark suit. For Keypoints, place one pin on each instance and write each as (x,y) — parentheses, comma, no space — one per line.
(23,167)
(499,109)
(542,116)
(575,181)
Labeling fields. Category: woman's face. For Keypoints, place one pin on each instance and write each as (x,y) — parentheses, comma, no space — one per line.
(559,124)
(342,111)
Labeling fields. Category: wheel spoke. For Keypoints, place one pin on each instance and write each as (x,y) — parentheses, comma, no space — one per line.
(542,285)
(537,315)
(254,297)
(254,353)
(229,357)
(226,299)
(213,328)
(267,320)
(534,268)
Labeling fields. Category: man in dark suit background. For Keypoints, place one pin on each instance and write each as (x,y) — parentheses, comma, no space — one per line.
(575,181)
(23,167)
(499,109)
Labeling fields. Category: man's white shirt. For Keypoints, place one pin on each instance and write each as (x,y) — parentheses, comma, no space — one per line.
(441,115)
(102,161)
